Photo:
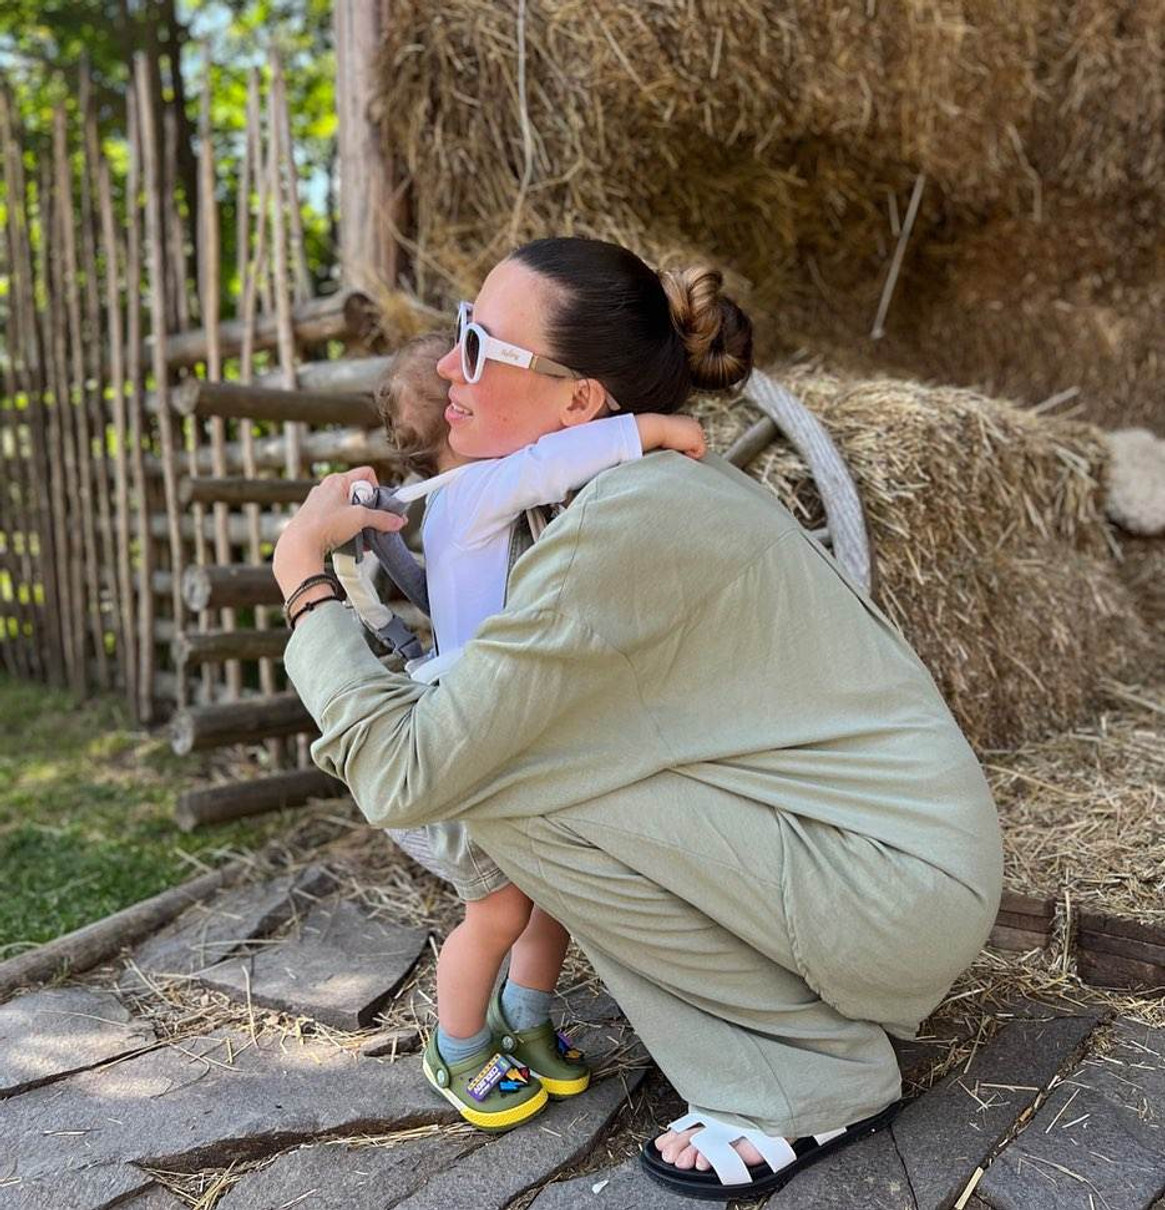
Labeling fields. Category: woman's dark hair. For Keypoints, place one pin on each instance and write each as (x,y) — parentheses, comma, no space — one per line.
(650,338)
(411,399)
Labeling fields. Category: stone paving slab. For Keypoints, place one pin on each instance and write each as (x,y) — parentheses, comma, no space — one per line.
(341,968)
(623,1188)
(946,1133)
(338,1177)
(865,1175)
(506,1166)
(208,932)
(157,1197)
(48,1034)
(1099,1138)
(203,1102)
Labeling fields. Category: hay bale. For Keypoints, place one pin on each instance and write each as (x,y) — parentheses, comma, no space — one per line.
(783,140)
(1030,309)
(1082,811)
(992,550)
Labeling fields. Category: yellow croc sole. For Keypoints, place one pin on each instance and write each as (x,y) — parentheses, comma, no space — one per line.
(506,1120)
(561,1089)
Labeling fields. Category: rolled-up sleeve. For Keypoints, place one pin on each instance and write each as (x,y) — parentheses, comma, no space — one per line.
(520,726)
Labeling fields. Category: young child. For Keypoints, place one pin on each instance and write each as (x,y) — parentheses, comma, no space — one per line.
(495,1058)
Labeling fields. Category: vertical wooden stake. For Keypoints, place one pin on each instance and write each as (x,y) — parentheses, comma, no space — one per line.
(93,392)
(86,573)
(155,230)
(209,289)
(147,556)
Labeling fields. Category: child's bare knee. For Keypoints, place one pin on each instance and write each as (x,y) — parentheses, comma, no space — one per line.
(503,913)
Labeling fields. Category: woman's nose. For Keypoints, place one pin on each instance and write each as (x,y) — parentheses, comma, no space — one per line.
(449,367)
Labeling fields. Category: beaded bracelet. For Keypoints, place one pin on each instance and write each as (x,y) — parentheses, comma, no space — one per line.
(293,618)
(324,577)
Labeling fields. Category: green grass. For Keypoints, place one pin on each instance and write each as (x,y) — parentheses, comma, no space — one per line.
(86,814)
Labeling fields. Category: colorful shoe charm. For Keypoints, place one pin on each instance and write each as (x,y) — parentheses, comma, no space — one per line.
(550,1056)
(497,1094)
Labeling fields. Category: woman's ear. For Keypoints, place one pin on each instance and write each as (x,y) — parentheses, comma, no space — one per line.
(587,399)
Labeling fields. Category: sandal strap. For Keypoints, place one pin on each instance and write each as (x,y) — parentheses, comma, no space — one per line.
(714,1142)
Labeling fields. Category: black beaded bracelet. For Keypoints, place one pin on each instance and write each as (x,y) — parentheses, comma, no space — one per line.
(293,618)
(323,577)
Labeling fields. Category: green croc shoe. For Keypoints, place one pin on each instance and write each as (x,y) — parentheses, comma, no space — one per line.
(496,1094)
(548,1054)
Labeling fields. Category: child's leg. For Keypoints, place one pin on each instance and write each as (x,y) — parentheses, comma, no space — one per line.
(469,960)
(535,964)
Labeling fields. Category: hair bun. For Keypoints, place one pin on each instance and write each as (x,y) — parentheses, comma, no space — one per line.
(717,334)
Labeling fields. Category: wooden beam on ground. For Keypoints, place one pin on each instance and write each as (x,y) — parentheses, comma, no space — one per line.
(238,489)
(245,722)
(216,646)
(239,800)
(347,315)
(86,947)
(240,585)
(232,400)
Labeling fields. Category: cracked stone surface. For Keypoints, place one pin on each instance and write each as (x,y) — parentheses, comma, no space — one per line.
(47,1034)
(623,1188)
(496,1173)
(946,1133)
(340,969)
(339,1177)
(207,932)
(158,1197)
(202,1102)
(1099,1138)
(865,1175)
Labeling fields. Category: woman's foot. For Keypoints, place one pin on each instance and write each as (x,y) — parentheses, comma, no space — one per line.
(675,1147)
(703,1157)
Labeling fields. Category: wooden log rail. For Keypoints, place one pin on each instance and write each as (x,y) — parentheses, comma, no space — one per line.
(239,800)
(236,401)
(215,646)
(245,722)
(350,374)
(240,585)
(237,489)
(350,446)
(270,527)
(348,315)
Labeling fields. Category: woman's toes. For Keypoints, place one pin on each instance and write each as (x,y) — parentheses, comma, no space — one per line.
(748,1152)
(689,1157)
(664,1142)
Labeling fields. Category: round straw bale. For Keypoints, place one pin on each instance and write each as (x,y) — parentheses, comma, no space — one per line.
(993,552)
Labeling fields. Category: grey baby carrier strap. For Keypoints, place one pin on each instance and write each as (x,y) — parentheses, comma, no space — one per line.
(401,567)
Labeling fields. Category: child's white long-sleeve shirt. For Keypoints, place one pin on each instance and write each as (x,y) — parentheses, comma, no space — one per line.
(467,526)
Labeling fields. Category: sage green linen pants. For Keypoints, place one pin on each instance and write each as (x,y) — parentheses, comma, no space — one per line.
(762,958)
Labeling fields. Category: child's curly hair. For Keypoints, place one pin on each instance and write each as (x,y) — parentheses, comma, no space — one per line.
(412,398)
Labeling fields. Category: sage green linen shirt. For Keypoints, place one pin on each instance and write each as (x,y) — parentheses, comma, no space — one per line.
(675,617)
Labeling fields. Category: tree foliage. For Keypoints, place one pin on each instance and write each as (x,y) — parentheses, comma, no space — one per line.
(44,42)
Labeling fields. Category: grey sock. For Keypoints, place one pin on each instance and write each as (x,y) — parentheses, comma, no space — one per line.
(454,1050)
(525,1007)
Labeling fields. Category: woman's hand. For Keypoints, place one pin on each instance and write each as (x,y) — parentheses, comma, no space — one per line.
(324,521)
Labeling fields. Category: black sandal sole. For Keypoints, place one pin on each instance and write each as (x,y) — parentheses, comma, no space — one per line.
(706,1186)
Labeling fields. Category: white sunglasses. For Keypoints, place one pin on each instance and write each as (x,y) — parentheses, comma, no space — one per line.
(478,347)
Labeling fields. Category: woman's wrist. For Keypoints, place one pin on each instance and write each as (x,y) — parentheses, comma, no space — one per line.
(292,567)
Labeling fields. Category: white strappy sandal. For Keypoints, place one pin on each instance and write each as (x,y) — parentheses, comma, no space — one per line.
(730,1177)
